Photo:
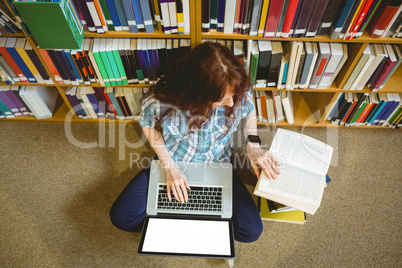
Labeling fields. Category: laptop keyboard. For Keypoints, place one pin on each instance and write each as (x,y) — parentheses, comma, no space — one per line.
(199,199)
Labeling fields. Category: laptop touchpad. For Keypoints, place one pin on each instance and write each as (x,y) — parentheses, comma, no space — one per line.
(193,174)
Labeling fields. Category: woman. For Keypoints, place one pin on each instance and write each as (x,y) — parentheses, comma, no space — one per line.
(189,116)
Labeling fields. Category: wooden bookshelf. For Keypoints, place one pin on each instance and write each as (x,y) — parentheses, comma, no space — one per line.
(306,101)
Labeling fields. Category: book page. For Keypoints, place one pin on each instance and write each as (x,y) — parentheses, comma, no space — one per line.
(295,183)
(294,149)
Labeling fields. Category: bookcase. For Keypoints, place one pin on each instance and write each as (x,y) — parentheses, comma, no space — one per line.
(310,105)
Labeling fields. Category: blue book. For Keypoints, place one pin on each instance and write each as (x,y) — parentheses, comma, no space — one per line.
(138,15)
(146,14)
(113,14)
(285,73)
(112,97)
(335,110)
(386,106)
(221,15)
(380,106)
(131,20)
(70,60)
(338,25)
(121,14)
(10,46)
(392,108)
(95,104)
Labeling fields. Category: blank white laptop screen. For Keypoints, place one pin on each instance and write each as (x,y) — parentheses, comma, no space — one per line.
(183,236)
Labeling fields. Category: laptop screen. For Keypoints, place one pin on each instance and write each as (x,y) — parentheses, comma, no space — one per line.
(193,237)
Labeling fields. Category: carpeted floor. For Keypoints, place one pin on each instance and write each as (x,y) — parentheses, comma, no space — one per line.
(58,183)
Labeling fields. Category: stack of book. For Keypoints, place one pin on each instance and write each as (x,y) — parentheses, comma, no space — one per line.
(374,68)
(8,25)
(274,106)
(108,61)
(273,211)
(304,163)
(102,16)
(19,63)
(371,109)
(289,65)
(39,101)
(96,102)
(345,19)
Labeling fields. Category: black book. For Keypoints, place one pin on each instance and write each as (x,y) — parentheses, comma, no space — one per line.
(331,12)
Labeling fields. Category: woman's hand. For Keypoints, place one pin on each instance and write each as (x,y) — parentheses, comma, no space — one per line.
(264,159)
(177,183)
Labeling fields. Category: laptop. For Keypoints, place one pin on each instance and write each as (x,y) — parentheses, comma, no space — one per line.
(201,227)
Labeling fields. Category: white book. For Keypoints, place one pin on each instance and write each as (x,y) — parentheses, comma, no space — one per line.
(230,11)
(295,48)
(364,69)
(280,116)
(165,17)
(46,98)
(287,104)
(186,16)
(378,51)
(258,103)
(38,111)
(95,17)
(340,65)
(94,48)
(173,16)
(357,69)
(27,100)
(310,48)
(332,65)
(304,164)
(82,91)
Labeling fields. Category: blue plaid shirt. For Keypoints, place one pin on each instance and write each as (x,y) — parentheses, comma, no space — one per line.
(206,144)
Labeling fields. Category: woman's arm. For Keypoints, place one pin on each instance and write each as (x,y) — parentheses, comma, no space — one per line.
(258,157)
(175,179)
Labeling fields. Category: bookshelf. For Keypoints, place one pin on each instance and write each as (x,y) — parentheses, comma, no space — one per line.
(306,101)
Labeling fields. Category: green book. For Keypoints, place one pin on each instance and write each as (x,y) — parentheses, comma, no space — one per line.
(112,61)
(111,94)
(108,18)
(99,62)
(105,60)
(254,62)
(118,44)
(361,108)
(6,112)
(214,14)
(54,25)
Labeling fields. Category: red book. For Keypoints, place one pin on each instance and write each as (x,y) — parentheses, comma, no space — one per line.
(383,74)
(14,66)
(349,112)
(110,103)
(367,111)
(240,22)
(274,12)
(384,18)
(290,15)
(359,18)
(52,68)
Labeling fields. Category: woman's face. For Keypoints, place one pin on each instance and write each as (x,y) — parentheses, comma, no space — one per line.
(227,100)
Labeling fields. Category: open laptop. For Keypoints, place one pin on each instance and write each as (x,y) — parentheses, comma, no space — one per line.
(201,227)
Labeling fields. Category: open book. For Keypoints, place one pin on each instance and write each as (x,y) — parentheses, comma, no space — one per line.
(304,162)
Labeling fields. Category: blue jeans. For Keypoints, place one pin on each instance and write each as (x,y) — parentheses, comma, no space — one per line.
(128,211)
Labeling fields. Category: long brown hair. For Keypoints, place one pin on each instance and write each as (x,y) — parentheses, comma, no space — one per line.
(199,80)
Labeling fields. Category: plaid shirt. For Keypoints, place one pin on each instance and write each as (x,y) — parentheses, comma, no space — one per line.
(206,144)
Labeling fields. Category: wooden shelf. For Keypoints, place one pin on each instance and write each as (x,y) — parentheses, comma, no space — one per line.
(127,34)
(365,38)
